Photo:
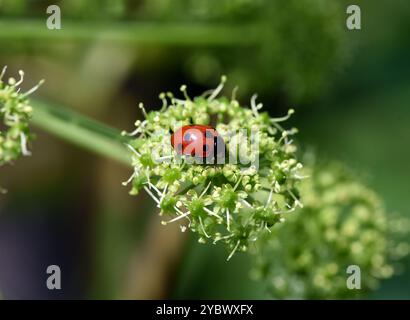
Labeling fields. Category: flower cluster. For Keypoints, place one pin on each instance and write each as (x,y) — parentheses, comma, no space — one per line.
(15,113)
(342,223)
(233,202)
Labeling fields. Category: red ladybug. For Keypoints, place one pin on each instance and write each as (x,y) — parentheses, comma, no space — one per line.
(198,141)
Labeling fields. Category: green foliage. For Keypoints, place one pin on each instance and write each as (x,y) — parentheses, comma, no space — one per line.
(294,48)
(15,113)
(285,48)
(302,45)
(231,203)
(342,223)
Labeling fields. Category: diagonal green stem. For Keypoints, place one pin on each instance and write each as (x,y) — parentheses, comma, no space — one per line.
(80,130)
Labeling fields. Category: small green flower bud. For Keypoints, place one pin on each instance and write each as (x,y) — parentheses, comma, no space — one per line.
(342,223)
(15,114)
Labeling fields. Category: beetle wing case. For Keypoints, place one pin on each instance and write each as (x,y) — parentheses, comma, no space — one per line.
(199,141)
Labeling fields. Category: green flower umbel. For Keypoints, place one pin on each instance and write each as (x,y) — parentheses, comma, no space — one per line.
(231,202)
(342,223)
(15,113)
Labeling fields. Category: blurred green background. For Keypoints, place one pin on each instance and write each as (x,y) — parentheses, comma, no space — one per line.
(66,206)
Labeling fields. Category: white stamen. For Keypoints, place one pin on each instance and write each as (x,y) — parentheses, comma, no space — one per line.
(21,73)
(186,214)
(203,228)
(181,102)
(237,183)
(163,158)
(148,179)
(297,202)
(285,211)
(253,105)
(269,198)
(206,189)
(33,89)
(135,132)
(233,251)
(184,91)
(155,188)
(23,143)
(180,212)
(207,93)
(163,193)
(141,106)
(163,98)
(301,177)
(233,96)
(227,220)
(284,118)
(278,126)
(3,71)
(223,238)
(211,213)
(218,89)
(133,150)
(151,194)
(129,179)
(171,97)
(247,203)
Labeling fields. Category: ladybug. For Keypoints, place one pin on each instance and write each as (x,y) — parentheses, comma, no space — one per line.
(199,141)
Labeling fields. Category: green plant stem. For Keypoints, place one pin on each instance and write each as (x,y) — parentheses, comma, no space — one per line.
(82,131)
(133,32)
